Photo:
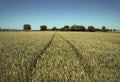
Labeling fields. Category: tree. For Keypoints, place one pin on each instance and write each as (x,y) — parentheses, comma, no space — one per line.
(61,29)
(0,29)
(114,29)
(43,27)
(54,28)
(72,28)
(104,29)
(97,29)
(80,28)
(66,28)
(27,27)
(107,30)
(110,30)
(77,28)
(91,28)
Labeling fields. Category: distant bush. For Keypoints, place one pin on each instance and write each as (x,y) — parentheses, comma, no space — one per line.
(77,28)
(81,28)
(54,28)
(43,27)
(104,29)
(27,27)
(97,29)
(66,28)
(91,28)
(114,29)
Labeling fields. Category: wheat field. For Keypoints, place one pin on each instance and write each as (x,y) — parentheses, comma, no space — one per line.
(59,57)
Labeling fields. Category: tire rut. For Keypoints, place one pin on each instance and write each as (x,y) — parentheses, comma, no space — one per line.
(33,61)
(73,48)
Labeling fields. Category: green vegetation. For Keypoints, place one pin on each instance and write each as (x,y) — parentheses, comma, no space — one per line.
(43,27)
(59,57)
(91,28)
(80,28)
(54,29)
(104,29)
(77,28)
(66,28)
(27,27)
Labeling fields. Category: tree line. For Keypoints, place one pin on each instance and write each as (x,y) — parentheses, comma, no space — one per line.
(91,28)
(27,27)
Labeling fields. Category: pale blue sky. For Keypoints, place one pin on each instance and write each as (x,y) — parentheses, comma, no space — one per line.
(15,13)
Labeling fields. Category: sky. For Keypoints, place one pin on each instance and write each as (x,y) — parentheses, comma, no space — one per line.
(15,13)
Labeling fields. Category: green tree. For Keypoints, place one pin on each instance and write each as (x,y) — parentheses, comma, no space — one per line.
(80,28)
(72,28)
(91,28)
(77,28)
(114,29)
(27,27)
(54,28)
(97,29)
(43,27)
(61,29)
(110,30)
(66,28)
(104,29)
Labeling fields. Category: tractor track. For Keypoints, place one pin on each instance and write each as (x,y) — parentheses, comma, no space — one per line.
(73,48)
(33,61)
(83,62)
